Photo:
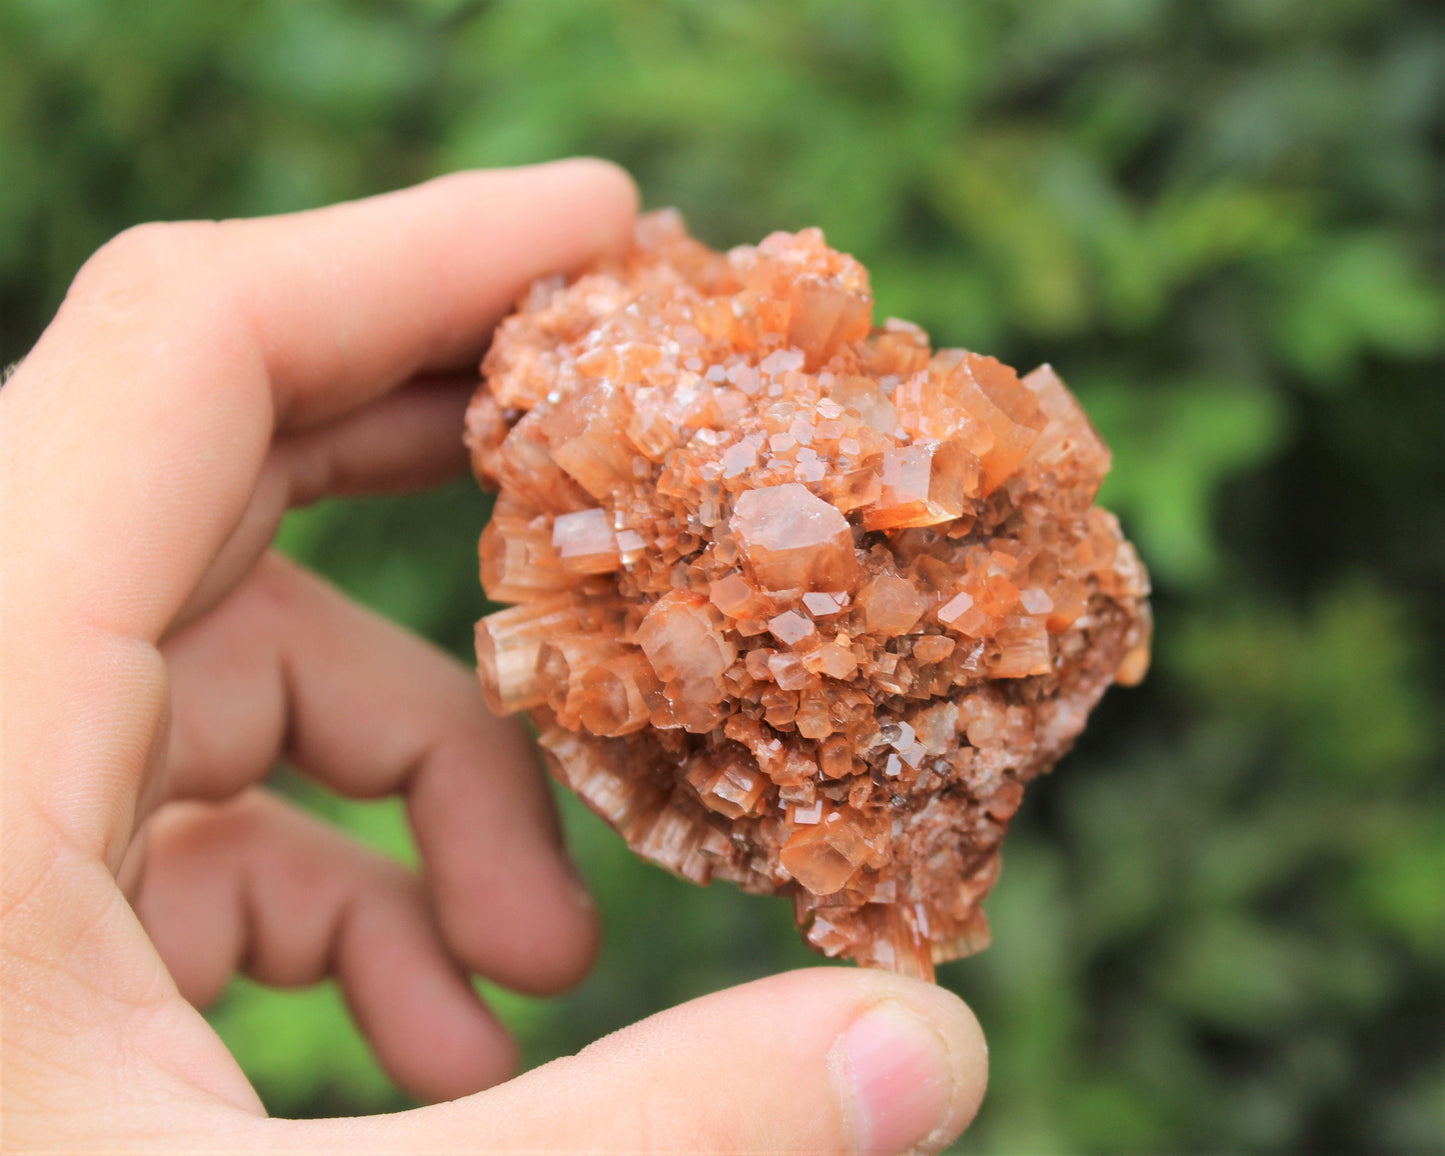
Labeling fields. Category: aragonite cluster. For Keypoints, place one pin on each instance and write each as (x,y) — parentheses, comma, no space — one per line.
(798,601)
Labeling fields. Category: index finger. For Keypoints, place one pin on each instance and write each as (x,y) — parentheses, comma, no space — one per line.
(135,430)
(180,348)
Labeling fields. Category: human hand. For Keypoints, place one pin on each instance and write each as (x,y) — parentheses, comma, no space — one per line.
(157,660)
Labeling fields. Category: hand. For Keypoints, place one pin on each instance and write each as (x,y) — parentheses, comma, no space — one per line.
(199,379)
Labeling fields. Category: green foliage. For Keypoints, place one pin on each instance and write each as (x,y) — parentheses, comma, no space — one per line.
(1222,927)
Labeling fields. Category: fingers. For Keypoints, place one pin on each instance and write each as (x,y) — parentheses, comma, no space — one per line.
(287,666)
(406,440)
(822,1061)
(183,346)
(402,441)
(416,279)
(253,884)
(138,425)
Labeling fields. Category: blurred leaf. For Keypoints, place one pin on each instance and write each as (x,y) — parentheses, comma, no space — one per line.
(1362,295)
(1173,447)
(302,1050)
(1341,681)
(1400,887)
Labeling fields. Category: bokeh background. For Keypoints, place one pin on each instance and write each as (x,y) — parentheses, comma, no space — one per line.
(1221,925)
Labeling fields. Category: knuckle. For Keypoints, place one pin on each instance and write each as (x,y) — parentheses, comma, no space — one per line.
(279,590)
(157,261)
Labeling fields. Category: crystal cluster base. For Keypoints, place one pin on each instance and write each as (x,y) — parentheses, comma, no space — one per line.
(799,602)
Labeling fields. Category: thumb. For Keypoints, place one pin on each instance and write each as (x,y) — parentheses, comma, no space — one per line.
(825,1060)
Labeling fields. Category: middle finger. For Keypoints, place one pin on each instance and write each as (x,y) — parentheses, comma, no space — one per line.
(402,441)
(288,667)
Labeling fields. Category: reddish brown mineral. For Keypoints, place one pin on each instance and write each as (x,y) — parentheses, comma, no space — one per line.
(800,603)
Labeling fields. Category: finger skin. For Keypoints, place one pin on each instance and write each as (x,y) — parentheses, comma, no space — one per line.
(407,440)
(134,434)
(402,441)
(143,418)
(753,1069)
(254,884)
(288,667)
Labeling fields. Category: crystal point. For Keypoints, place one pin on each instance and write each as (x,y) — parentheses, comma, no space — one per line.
(793,539)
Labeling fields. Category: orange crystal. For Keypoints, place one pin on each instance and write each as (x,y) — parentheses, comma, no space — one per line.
(800,602)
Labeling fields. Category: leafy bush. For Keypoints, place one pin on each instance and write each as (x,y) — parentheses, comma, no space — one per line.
(1222,925)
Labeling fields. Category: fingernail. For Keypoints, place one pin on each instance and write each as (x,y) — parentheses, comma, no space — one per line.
(899,1076)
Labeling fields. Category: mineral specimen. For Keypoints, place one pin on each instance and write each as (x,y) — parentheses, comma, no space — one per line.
(800,602)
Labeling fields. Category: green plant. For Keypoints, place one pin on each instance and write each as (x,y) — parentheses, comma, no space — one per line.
(1222,925)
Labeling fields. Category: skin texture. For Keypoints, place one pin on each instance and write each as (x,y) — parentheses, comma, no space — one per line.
(200,379)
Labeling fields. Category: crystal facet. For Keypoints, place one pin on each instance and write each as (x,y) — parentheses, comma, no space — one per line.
(800,602)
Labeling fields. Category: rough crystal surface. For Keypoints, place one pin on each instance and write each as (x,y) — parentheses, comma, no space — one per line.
(799,601)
